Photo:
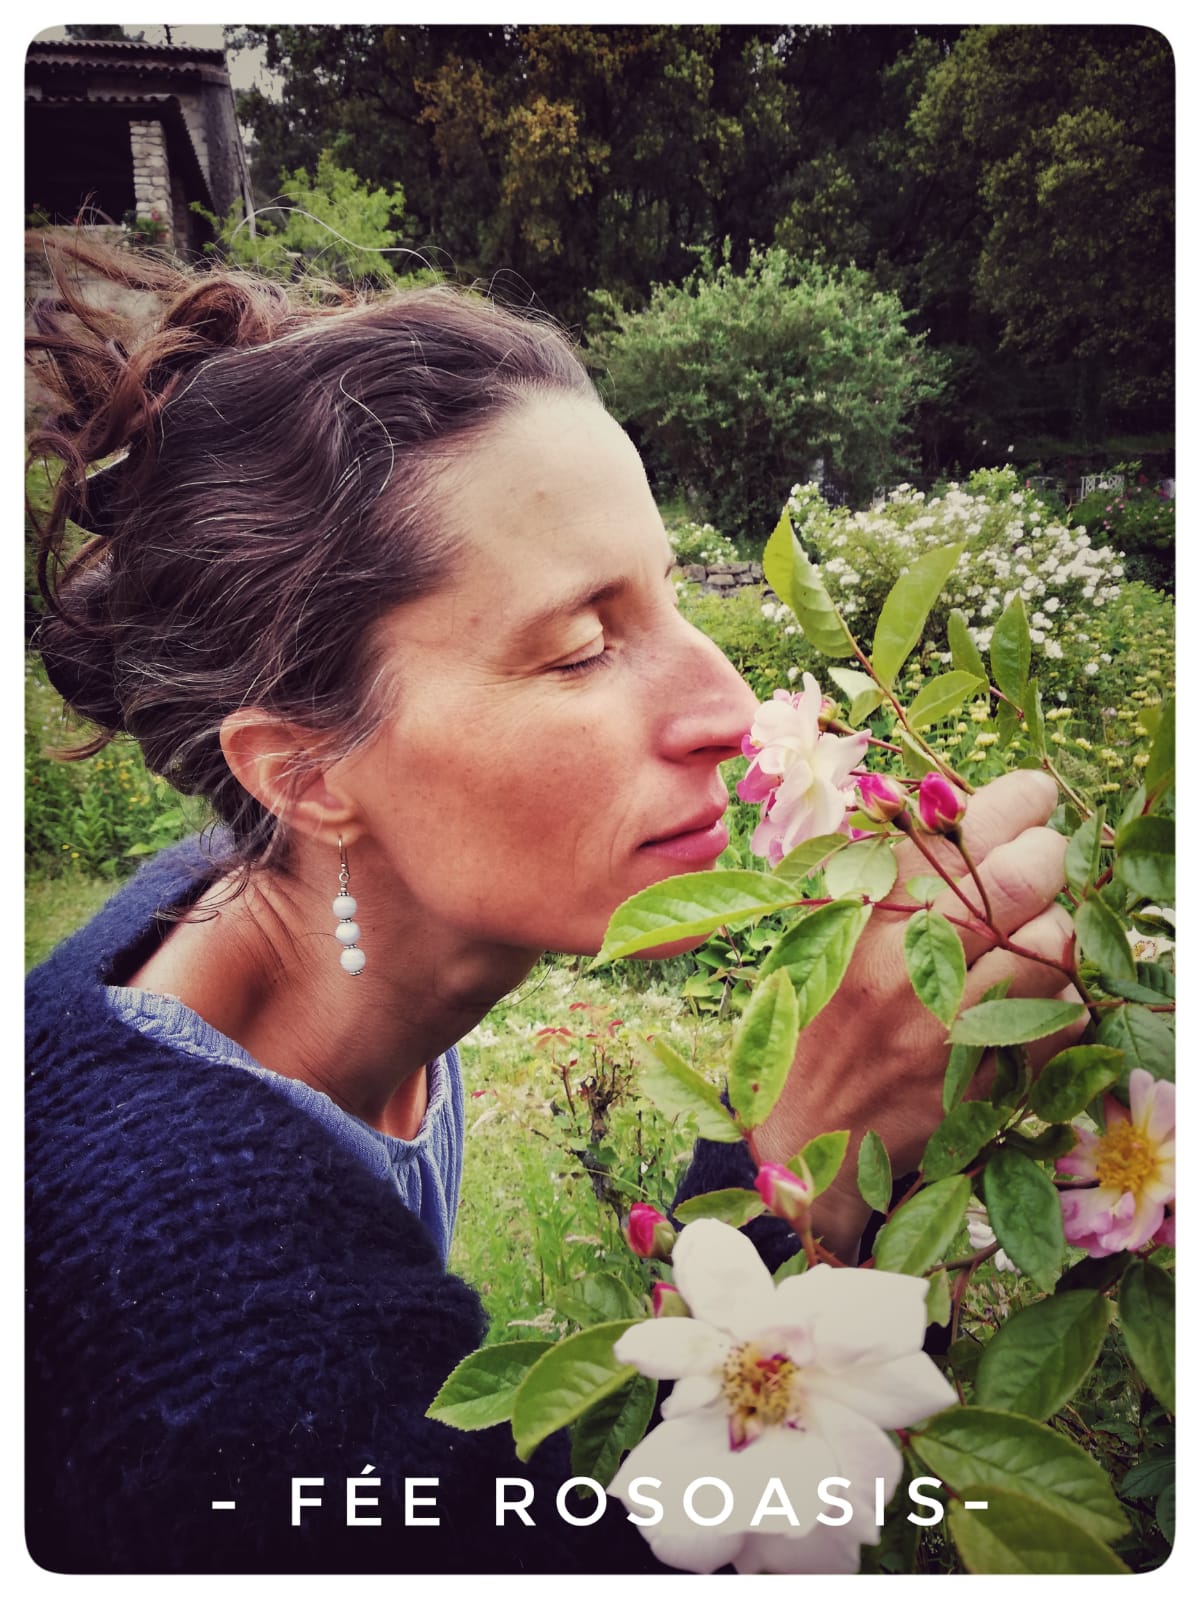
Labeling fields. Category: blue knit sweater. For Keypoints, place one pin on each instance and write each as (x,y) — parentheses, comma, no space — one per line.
(222,1298)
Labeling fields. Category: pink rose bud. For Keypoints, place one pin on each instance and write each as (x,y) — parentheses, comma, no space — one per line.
(879,797)
(941,804)
(667,1301)
(783,1192)
(650,1234)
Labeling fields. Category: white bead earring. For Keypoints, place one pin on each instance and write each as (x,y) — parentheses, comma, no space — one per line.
(347,932)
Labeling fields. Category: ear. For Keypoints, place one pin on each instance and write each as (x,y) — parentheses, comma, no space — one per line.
(280,764)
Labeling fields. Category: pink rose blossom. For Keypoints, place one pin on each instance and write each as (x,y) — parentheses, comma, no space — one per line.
(650,1234)
(879,797)
(782,1192)
(801,777)
(940,803)
(1130,1172)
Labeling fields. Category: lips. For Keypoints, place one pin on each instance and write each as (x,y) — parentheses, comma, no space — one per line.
(700,839)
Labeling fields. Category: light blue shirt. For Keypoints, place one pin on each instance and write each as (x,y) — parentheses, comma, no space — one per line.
(424,1171)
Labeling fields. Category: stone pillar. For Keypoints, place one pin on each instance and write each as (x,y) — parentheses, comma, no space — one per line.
(151,176)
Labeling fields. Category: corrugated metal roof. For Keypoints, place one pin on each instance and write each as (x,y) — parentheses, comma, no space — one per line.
(120,47)
(141,69)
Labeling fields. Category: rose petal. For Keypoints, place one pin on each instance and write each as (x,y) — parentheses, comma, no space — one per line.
(855,1315)
(673,1346)
(895,1393)
(721,1277)
(689,1393)
(822,1551)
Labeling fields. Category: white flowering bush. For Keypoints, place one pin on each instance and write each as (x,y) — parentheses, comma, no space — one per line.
(700,542)
(1012,546)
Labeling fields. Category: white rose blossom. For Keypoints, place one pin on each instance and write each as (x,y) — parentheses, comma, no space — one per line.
(777,1387)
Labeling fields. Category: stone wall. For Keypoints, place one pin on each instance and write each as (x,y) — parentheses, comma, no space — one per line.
(152,175)
(723,579)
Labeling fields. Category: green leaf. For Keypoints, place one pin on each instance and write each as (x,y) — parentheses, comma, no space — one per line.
(1146,857)
(915,758)
(998,1452)
(1082,863)
(1101,937)
(874,1172)
(1042,1353)
(867,867)
(677,1090)
(1146,1308)
(1007,723)
(792,1267)
(1160,773)
(937,1301)
(823,1157)
(1013,1021)
(924,888)
(1145,1039)
(923,1228)
(1026,1214)
(794,578)
(569,1378)
(942,696)
(1035,721)
(736,1206)
(1018,1536)
(602,1297)
(1049,1144)
(1099,1274)
(964,648)
(1134,806)
(902,619)
(480,1391)
(1164,1513)
(1149,1477)
(609,1427)
(691,906)
(961,1067)
(1009,651)
(1071,1080)
(815,952)
(803,861)
(764,1048)
(861,692)
(937,966)
(960,1137)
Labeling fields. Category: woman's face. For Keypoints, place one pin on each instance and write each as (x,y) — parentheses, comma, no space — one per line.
(558,725)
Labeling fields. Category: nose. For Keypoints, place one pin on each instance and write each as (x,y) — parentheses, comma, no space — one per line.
(709,706)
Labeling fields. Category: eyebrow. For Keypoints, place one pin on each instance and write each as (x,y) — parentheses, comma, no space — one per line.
(582,599)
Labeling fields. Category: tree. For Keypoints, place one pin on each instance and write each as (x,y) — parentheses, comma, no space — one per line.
(735,381)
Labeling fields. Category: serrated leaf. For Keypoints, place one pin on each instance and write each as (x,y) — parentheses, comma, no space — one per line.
(867,867)
(822,1157)
(937,966)
(797,582)
(815,952)
(960,1137)
(1070,1081)
(961,1067)
(1144,1039)
(691,905)
(601,1297)
(1042,1354)
(1082,864)
(764,1049)
(611,1426)
(735,1206)
(1164,1513)
(874,1172)
(1160,772)
(1026,1214)
(906,608)
(1035,722)
(1146,857)
(569,1378)
(802,861)
(1019,1536)
(942,696)
(1101,937)
(481,1389)
(1149,1477)
(1146,1307)
(1013,1021)
(1010,650)
(963,647)
(677,1090)
(997,1451)
(937,1301)
(923,1228)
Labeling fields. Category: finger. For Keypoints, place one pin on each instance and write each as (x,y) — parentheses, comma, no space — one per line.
(1020,879)
(1000,811)
(1047,938)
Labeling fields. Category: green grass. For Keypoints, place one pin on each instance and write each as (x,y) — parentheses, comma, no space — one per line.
(55,907)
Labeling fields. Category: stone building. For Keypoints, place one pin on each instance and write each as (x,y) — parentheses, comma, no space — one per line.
(116,129)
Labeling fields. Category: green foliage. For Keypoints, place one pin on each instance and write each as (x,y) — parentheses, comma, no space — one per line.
(1139,523)
(736,379)
(329,224)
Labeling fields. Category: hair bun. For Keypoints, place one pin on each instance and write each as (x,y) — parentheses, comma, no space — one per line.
(76,646)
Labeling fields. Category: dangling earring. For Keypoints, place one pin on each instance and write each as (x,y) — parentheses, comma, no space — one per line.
(347,932)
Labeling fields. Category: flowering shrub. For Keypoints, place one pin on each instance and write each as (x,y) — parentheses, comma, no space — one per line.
(1057,1392)
(699,542)
(1140,522)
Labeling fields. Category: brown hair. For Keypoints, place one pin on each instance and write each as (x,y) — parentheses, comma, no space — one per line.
(277,497)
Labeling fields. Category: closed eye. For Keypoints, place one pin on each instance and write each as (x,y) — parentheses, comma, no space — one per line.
(603,657)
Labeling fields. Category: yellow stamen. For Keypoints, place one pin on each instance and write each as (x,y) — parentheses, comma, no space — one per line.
(1126,1160)
(760,1390)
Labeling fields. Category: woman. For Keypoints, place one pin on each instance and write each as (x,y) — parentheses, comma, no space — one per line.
(386,585)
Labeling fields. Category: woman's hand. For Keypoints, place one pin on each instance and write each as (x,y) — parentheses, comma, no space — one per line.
(875,1057)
